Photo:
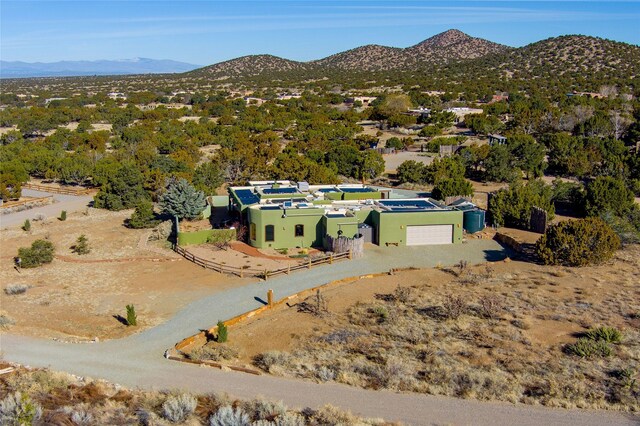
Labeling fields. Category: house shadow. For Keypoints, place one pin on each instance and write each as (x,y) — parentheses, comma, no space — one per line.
(497,255)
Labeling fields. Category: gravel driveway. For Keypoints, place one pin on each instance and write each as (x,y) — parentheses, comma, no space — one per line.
(137,361)
(70,203)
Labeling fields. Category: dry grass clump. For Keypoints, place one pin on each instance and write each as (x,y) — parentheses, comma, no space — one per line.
(45,397)
(14,289)
(213,351)
(482,342)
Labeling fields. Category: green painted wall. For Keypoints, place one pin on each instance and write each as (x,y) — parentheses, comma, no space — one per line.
(361,195)
(219,200)
(206,213)
(284,228)
(391,227)
(348,226)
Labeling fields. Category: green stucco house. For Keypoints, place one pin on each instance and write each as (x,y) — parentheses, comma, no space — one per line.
(286,215)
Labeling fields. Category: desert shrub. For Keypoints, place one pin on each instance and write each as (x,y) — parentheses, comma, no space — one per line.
(587,348)
(223,332)
(16,289)
(18,409)
(82,245)
(26,226)
(40,252)
(290,419)
(325,374)
(215,352)
(578,243)
(490,307)
(451,187)
(512,207)
(434,144)
(261,409)
(330,415)
(381,313)
(132,318)
(402,294)
(63,215)
(268,359)
(79,416)
(608,193)
(454,307)
(626,226)
(143,216)
(227,416)
(606,334)
(178,408)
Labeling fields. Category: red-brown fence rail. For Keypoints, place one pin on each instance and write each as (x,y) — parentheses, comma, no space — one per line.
(266,274)
(58,189)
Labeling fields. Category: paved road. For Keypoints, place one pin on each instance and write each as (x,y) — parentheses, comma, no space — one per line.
(70,203)
(137,361)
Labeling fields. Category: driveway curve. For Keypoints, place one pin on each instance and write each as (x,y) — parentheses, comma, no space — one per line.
(137,361)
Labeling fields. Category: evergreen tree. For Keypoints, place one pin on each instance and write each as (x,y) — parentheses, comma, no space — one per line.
(182,200)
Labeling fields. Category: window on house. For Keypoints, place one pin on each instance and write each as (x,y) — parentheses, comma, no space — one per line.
(299,231)
(269,233)
(252,231)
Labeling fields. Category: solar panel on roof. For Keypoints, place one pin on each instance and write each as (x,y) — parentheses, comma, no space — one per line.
(246,196)
(280,190)
(423,204)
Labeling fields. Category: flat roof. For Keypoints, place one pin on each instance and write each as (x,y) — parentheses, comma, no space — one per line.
(356,189)
(285,190)
(246,196)
(410,205)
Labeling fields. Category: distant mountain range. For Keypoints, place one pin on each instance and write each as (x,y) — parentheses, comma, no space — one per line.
(452,45)
(451,56)
(17,69)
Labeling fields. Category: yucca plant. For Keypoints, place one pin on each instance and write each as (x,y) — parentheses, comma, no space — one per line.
(606,334)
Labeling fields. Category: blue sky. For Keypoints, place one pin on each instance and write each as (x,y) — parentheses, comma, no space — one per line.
(205,32)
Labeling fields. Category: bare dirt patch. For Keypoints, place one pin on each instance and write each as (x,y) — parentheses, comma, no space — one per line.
(493,332)
(78,296)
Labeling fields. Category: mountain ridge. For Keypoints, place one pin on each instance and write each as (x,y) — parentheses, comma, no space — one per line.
(21,69)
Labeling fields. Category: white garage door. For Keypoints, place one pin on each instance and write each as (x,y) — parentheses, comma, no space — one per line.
(429,234)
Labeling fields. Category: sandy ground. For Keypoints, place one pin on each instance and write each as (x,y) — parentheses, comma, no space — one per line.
(392,161)
(547,289)
(78,296)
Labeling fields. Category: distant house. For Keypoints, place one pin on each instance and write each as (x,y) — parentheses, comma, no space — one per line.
(499,98)
(462,112)
(287,96)
(497,140)
(250,100)
(365,100)
(116,95)
(420,112)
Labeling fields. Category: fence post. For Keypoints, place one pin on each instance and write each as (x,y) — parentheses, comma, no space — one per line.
(309,265)
(266,274)
(270,298)
(331,259)
(350,254)
(241,273)
(288,268)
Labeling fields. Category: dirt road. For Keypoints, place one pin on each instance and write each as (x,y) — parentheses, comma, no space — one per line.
(137,360)
(70,203)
